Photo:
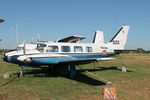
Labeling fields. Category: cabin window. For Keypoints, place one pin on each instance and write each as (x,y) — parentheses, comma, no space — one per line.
(52,48)
(78,49)
(89,49)
(65,48)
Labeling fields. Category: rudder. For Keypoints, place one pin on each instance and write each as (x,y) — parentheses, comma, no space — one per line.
(119,40)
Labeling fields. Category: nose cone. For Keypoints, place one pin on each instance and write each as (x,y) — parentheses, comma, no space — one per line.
(5,58)
(10,59)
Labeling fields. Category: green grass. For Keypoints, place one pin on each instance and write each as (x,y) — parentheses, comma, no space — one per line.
(39,85)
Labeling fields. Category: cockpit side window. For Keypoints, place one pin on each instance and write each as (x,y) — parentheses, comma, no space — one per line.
(65,48)
(41,47)
(78,49)
(51,48)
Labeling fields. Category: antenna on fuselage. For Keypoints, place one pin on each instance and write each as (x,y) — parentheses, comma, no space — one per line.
(32,40)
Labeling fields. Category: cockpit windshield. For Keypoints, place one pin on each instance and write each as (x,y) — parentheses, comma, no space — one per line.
(52,48)
(20,48)
(41,47)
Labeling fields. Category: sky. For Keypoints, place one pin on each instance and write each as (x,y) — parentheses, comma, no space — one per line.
(56,19)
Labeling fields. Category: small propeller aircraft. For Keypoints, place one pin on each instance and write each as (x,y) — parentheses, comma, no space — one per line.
(1,21)
(68,52)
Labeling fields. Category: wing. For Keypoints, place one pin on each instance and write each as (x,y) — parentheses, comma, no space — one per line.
(57,59)
(72,39)
(84,61)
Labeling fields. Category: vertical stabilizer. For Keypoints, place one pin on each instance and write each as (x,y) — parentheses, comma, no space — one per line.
(119,40)
(98,37)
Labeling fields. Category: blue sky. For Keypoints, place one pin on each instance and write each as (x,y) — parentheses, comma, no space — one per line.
(54,19)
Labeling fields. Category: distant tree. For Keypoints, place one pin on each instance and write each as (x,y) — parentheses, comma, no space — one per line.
(4,50)
(147,51)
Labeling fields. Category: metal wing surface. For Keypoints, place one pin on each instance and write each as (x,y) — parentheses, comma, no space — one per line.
(85,60)
(72,39)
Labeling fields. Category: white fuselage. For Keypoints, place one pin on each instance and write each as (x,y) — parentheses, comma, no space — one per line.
(54,53)
(83,48)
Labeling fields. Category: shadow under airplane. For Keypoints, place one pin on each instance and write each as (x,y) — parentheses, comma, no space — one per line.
(80,77)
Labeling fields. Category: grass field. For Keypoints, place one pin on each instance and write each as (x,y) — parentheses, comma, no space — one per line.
(40,85)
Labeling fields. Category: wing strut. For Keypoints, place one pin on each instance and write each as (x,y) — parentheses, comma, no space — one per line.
(97,77)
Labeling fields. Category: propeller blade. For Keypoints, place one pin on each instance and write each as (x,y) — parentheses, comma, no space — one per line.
(38,40)
(24,58)
(24,49)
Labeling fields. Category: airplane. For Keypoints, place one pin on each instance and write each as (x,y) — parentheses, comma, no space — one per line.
(1,21)
(65,54)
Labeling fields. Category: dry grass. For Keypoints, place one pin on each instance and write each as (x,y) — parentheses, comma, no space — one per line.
(38,85)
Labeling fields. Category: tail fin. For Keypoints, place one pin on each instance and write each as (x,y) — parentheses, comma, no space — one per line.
(98,38)
(119,40)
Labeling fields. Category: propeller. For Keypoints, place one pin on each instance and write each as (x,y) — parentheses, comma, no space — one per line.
(24,58)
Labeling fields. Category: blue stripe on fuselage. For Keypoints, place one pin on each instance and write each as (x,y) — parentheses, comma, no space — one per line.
(13,59)
(91,56)
(72,56)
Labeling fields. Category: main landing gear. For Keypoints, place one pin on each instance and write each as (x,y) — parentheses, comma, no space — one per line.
(64,69)
(59,69)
